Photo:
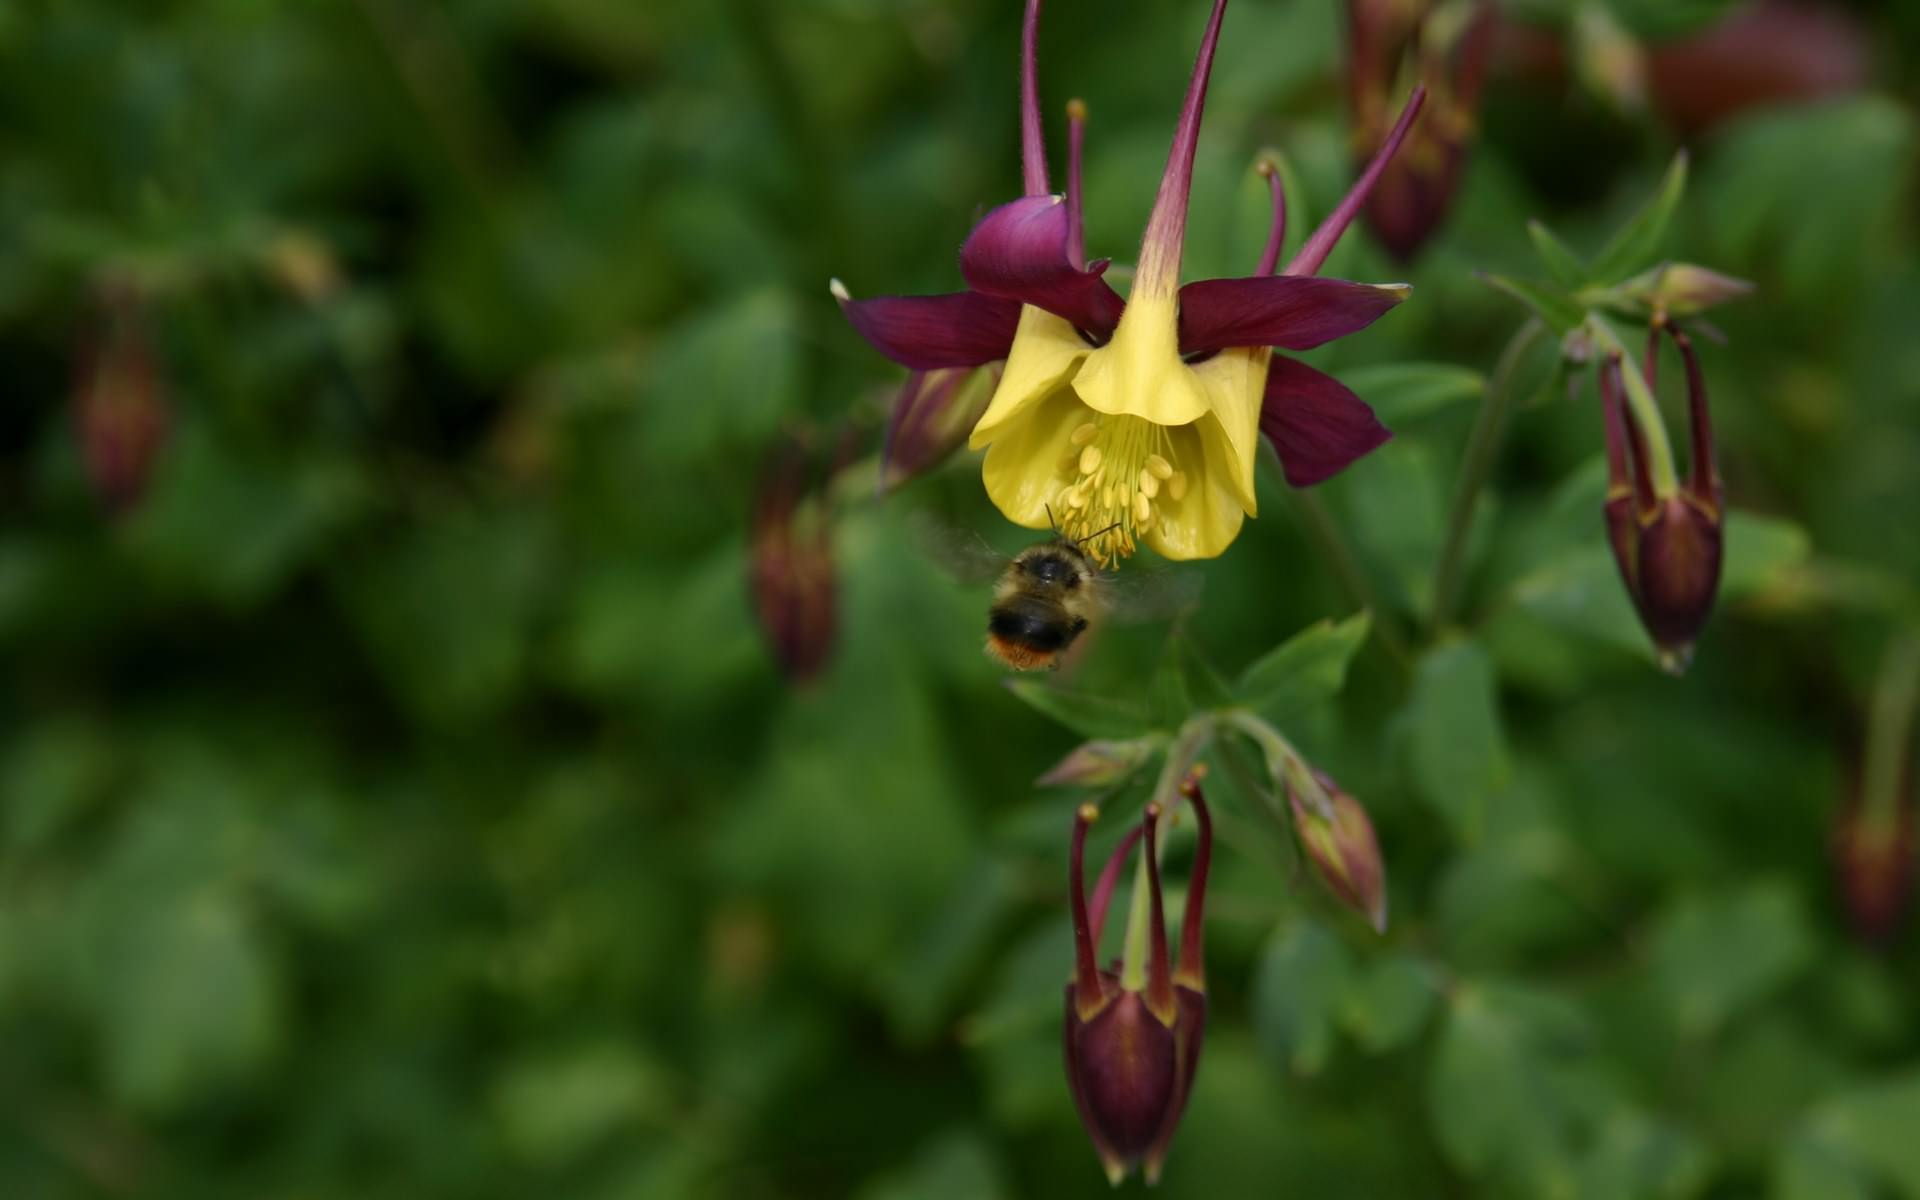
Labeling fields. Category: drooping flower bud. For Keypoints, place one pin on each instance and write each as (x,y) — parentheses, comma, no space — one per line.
(1099,763)
(790,567)
(1133,1037)
(120,406)
(1873,841)
(1681,290)
(1393,44)
(932,417)
(1337,835)
(1873,856)
(1666,539)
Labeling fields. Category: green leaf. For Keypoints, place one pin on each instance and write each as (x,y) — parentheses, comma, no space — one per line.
(957,1165)
(1457,750)
(1307,668)
(555,1105)
(1297,992)
(1560,312)
(1714,957)
(1403,392)
(1581,592)
(1489,1097)
(1637,244)
(1809,194)
(1806,1170)
(1759,550)
(1386,1005)
(1635,1157)
(1561,262)
(1878,1126)
(1086,714)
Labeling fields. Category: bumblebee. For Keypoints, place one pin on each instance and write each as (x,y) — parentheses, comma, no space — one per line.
(1046,598)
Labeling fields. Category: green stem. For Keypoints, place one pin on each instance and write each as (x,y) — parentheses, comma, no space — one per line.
(1646,410)
(1482,446)
(1284,761)
(1890,733)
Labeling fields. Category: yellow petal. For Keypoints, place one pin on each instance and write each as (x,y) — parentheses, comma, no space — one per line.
(1235,382)
(1021,468)
(1208,516)
(1139,372)
(1045,351)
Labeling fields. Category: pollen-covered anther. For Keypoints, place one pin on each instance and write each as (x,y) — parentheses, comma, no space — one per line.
(1120,475)
(1177,485)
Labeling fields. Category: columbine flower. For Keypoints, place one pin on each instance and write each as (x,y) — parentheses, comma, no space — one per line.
(1138,419)
(1445,46)
(120,404)
(1338,837)
(1133,1037)
(1666,535)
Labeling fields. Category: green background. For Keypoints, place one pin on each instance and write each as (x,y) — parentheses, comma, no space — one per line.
(398,800)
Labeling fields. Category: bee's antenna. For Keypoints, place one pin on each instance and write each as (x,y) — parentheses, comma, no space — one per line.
(1051,523)
(1109,529)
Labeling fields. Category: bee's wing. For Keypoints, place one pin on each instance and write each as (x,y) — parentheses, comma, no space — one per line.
(1140,595)
(961,553)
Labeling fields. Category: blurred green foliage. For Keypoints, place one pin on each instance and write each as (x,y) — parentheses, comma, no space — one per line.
(397,799)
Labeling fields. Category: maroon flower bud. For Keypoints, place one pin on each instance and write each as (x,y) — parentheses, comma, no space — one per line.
(1133,1037)
(1334,829)
(790,567)
(1873,857)
(932,416)
(120,407)
(1666,539)
(1392,42)
(1873,840)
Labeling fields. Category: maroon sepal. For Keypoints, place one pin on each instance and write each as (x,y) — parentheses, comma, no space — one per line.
(926,333)
(1023,251)
(1293,312)
(1316,423)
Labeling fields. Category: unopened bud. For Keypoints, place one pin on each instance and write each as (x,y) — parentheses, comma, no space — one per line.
(932,417)
(1098,763)
(121,412)
(1338,837)
(1682,290)
(1873,859)
(1668,546)
(1444,49)
(791,568)
(1133,1037)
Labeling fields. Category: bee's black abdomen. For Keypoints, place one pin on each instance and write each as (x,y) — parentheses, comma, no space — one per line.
(1033,623)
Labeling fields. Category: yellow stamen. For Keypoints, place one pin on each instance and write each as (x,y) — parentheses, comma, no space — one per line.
(1110,503)
(1177,485)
